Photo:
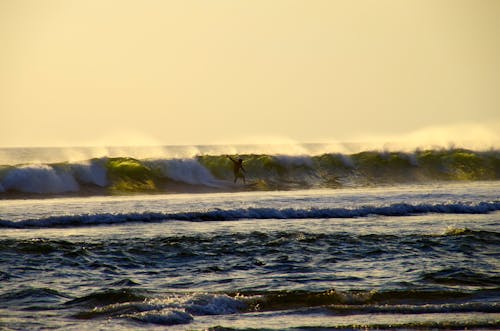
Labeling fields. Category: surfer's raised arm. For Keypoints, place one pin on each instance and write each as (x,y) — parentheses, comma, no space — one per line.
(238,169)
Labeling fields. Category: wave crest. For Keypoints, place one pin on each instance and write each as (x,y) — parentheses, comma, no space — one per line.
(398,209)
(266,172)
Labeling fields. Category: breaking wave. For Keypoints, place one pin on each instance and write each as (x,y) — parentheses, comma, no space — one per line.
(121,175)
(175,309)
(398,209)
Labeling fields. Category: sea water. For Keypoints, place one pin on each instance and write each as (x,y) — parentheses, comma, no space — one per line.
(372,240)
(407,256)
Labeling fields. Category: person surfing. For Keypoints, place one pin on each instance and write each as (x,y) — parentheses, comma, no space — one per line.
(238,169)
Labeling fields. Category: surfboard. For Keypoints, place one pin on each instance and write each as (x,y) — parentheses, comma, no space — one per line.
(256,184)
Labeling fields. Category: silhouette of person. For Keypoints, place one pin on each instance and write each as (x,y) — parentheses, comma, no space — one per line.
(238,169)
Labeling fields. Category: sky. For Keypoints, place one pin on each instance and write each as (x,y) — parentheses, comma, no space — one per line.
(182,72)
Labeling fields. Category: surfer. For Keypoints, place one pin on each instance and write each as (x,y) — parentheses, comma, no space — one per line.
(238,169)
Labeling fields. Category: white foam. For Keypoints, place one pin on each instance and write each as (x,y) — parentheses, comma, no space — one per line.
(39,178)
(397,209)
(163,317)
(179,309)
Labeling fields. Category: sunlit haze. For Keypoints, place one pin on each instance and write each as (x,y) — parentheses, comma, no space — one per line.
(124,72)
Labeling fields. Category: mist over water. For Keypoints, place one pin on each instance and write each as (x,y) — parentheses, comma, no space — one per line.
(157,169)
(369,133)
(345,235)
(15,156)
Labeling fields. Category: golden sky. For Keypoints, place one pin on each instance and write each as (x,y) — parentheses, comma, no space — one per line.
(111,72)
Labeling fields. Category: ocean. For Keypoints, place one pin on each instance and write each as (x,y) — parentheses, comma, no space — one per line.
(163,239)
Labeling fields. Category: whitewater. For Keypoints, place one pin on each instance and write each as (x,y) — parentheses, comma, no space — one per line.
(36,172)
(136,239)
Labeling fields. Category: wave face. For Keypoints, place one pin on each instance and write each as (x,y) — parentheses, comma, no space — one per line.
(119,175)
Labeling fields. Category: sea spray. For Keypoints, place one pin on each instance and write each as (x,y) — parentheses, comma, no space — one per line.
(208,172)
